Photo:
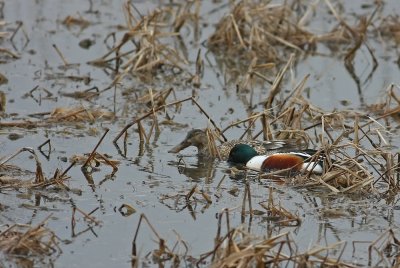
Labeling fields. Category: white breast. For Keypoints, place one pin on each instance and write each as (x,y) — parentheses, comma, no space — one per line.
(309,166)
(256,162)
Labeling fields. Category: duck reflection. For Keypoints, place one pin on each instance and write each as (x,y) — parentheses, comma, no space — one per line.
(203,170)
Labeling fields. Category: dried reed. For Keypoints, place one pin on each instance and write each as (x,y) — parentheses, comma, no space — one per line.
(30,241)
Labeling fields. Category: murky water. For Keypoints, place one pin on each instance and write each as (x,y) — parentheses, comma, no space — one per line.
(147,174)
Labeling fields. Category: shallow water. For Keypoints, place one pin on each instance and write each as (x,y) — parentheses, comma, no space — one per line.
(145,177)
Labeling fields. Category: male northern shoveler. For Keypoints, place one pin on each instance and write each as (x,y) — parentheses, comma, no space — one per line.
(294,161)
(198,138)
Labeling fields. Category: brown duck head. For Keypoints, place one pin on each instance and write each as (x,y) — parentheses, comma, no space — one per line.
(195,137)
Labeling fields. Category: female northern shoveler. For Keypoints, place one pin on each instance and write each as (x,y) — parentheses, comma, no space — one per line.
(198,138)
(296,161)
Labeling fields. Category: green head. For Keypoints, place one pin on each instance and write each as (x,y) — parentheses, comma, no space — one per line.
(241,154)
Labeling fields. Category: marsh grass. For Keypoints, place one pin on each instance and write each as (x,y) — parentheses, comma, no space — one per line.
(266,41)
(258,36)
(144,48)
(62,115)
(10,180)
(259,29)
(236,247)
(25,241)
(266,30)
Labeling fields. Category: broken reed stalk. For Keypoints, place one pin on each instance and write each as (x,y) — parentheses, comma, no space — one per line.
(243,211)
(212,147)
(39,172)
(398,170)
(275,88)
(95,148)
(68,168)
(210,119)
(206,197)
(246,195)
(250,118)
(246,82)
(142,132)
(107,161)
(153,124)
(19,26)
(218,240)
(61,55)
(191,192)
(294,94)
(225,212)
(9,53)
(196,79)
(87,215)
(47,142)
(143,217)
(252,122)
(266,129)
(389,170)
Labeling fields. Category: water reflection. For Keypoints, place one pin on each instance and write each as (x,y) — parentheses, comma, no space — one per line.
(203,170)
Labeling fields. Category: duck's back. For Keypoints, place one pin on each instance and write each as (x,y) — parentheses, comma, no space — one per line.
(262,147)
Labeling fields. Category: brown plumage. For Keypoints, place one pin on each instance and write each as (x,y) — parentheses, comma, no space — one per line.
(283,161)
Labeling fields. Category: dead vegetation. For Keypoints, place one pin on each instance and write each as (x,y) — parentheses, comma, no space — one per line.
(389,28)
(70,21)
(265,30)
(258,35)
(259,29)
(25,241)
(9,180)
(80,114)
(9,54)
(63,115)
(8,34)
(358,157)
(239,248)
(144,47)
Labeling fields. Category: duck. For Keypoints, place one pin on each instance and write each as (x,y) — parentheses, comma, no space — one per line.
(302,161)
(199,139)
